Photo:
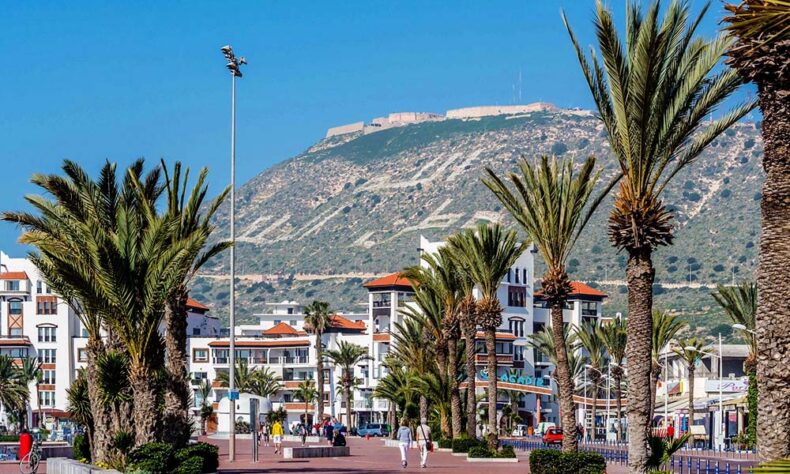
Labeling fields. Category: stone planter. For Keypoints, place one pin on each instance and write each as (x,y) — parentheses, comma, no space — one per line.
(497,460)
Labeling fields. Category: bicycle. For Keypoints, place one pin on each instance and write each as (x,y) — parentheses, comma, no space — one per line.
(29,463)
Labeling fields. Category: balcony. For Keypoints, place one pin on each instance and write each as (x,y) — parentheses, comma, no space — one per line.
(541,359)
(482,359)
(219,360)
(382,304)
(290,360)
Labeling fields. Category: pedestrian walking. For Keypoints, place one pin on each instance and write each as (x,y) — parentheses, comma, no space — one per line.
(303,433)
(329,432)
(266,432)
(404,440)
(277,433)
(424,442)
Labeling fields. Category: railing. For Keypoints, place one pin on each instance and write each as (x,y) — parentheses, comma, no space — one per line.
(501,359)
(589,312)
(293,360)
(220,360)
(258,360)
(381,405)
(382,304)
(690,460)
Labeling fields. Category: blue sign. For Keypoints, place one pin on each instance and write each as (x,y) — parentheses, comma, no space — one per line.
(233,395)
(515,378)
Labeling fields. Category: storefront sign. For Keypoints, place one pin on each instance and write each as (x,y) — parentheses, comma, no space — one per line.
(515,378)
(728,386)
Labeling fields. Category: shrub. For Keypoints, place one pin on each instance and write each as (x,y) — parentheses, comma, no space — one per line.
(81,449)
(242,427)
(192,465)
(506,452)
(480,452)
(462,445)
(9,438)
(207,453)
(551,461)
(153,457)
(445,443)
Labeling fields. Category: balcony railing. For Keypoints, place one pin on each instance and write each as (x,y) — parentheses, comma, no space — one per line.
(292,360)
(589,312)
(382,304)
(481,359)
(220,360)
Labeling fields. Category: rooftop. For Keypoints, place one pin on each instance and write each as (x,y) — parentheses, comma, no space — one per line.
(579,289)
(13,276)
(393,279)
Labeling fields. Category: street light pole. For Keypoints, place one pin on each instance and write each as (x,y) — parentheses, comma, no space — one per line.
(233,66)
(721,402)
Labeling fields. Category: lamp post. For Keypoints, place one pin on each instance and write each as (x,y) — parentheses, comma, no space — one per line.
(590,367)
(233,66)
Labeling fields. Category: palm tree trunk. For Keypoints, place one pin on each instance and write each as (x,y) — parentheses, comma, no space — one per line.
(773,312)
(691,402)
(751,429)
(176,420)
(469,329)
(640,275)
(393,422)
(492,387)
(347,397)
(144,396)
(319,364)
(423,407)
(452,380)
(618,384)
(594,408)
(565,386)
(102,418)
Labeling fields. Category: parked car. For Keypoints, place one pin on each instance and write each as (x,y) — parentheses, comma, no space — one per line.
(553,435)
(373,429)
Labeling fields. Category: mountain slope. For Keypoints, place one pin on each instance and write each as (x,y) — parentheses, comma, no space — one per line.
(354,205)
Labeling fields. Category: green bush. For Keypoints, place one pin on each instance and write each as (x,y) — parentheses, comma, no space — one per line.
(506,452)
(208,454)
(153,457)
(445,443)
(462,445)
(480,452)
(81,448)
(192,465)
(9,438)
(551,461)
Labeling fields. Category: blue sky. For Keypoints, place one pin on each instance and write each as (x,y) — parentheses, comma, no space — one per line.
(96,80)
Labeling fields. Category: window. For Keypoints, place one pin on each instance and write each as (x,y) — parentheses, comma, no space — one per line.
(15,331)
(290,311)
(404,298)
(518,352)
(196,331)
(12,285)
(381,300)
(509,271)
(517,327)
(39,288)
(47,356)
(589,308)
(47,334)
(84,332)
(292,323)
(48,377)
(524,279)
(503,348)
(517,275)
(46,305)
(46,399)
(287,397)
(517,296)
(82,355)
(14,307)
(277,321)
(17,353)
(200,355)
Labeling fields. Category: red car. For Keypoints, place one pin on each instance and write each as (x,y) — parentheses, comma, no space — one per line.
(552,436)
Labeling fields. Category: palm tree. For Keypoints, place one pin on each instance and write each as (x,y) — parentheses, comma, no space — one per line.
(14,391)
(615,337)
(413,338)
(653,93)
(265,383)
(740,304)
(69,235)
(317,319)
(346,356)
(204,392)
(691,351)
(761,29)
(113,370)
(589,336)
(308,394)
(78,403)
(665,328)
(193,221)
(549,204)
(487,254)
(30,371)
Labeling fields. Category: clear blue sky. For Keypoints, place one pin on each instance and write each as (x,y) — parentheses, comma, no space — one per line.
(96,80)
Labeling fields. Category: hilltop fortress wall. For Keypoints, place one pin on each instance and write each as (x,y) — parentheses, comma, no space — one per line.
(400,119)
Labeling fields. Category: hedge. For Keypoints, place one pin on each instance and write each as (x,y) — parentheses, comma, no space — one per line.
(552,461)
(160,457)
(9,438)
(81,449)
(445,443)
(484,452)
(462,445)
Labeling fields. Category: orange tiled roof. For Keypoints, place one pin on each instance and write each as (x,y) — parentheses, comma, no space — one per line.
(13,276)
(580,289)
(193,303)
(500,335)
(394,279)
(339,322)
(275,343)
(381,337)
(15,341)
(281,329)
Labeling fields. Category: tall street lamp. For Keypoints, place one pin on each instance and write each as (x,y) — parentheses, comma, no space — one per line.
(233,66)
(591,437)
(720,356)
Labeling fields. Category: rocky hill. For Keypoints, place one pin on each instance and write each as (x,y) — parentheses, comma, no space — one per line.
(354,205)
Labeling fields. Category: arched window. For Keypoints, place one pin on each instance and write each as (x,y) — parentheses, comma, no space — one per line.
(525,277)
(517,275)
